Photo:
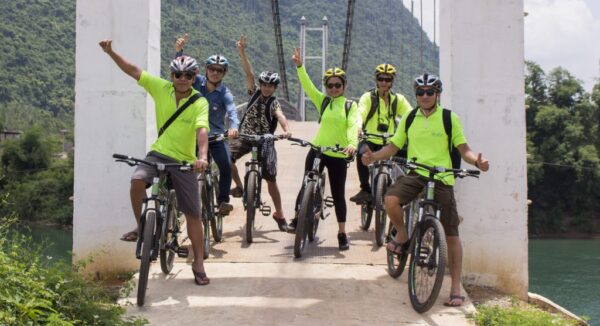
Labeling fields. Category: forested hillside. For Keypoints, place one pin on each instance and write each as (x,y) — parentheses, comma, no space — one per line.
(37,52)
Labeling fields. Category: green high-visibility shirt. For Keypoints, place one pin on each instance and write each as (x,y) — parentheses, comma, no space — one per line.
(179,140)
(383,115)
(428,142)
(335,127)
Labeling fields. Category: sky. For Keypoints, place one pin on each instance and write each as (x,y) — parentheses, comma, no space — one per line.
(563,33)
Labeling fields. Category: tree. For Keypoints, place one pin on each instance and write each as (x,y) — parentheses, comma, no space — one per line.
(563,167)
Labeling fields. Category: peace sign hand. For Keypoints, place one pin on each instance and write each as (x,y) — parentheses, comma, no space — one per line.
(297,58)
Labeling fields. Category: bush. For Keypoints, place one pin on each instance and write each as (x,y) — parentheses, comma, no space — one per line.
(489,315)
(34,292)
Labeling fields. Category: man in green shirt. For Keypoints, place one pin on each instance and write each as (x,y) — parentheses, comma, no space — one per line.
(380,109)
(429,145)
(177,143)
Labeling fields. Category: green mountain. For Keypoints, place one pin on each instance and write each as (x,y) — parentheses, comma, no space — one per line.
(37,52)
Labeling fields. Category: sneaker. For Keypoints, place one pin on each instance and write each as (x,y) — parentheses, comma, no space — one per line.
(343,241)
(236,192)
(281,223)
(361,197)
(292,226)
(225,208)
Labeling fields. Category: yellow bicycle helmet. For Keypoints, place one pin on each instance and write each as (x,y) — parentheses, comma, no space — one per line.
(335,72)
(385,68)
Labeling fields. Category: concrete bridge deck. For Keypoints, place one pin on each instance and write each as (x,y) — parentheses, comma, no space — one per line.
(262,283)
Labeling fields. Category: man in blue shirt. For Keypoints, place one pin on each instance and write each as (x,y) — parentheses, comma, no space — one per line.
(220,104)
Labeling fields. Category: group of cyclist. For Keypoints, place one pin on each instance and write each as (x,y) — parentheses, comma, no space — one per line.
(379,111)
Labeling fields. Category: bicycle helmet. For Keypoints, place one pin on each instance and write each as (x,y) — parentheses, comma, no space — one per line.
(335,72)
(217,59)
(184,64)
(428,80)
(269,77)
(385,68)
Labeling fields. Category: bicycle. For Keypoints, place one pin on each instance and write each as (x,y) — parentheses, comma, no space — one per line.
(312,204)
(381,174)
(427,240)
(253,183)
(160,222)
(208,186)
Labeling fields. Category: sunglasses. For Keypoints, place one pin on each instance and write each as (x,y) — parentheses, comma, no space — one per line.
(188,75)
(421,92)
(336,85)
(384,79)
(217,70)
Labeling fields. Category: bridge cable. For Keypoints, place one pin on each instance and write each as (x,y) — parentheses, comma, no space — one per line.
(279,45)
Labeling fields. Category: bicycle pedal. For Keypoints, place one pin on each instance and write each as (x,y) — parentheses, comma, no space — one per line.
(265,210)
(182,252)
(328,201)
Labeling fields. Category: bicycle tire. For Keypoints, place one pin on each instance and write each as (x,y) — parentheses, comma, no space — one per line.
(169,234)
(216,221)
(380,214)
(366,214)
(427,264)
(251,192)
(147,240)
(313,221)
(205,215)
(395,263)
(303,217)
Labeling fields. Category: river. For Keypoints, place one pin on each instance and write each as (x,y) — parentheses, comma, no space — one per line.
(565,271)
(568,273)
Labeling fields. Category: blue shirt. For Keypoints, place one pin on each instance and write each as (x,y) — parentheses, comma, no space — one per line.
(220,102)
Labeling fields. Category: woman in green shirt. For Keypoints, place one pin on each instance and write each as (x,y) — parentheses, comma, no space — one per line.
(338,126)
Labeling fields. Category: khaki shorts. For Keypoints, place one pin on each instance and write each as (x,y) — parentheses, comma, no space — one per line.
(184,183)
(239,148)
(408,188)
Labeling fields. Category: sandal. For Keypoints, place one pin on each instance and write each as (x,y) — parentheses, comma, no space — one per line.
(453,297)
(396,247)
(130,236)
(200,278)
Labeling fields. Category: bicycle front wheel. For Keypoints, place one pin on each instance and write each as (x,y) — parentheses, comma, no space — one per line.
(380,214)
(147,240)
(304,218)
(251,192)
(216,221)
(205,215)
(366,213)
(168,237)
(427,264)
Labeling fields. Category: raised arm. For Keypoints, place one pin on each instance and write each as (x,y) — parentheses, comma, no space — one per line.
(180,43)
(241,46)
(127,67)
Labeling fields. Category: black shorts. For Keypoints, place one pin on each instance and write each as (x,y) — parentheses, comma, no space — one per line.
(239,148)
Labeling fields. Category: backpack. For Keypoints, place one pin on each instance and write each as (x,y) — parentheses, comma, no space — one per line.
(268,113)
(375,106)
(447,118)
(327,100)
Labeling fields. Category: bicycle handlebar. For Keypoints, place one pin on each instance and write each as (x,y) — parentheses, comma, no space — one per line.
(260,137)
(132,161)
(218,137)
(413,165)
(321,149)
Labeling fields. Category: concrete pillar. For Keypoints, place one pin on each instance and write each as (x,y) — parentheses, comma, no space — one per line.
(112,114)
(482,67)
